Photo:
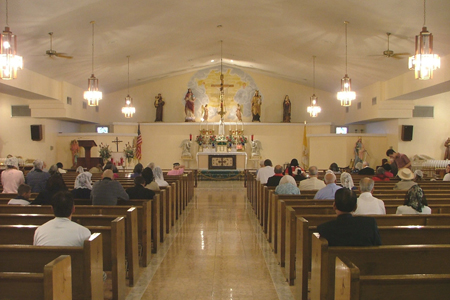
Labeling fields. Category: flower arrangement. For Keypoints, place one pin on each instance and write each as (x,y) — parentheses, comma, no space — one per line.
(212,139)
(199,140)
(104,151)
(128,151)
(230,139)
(242,140)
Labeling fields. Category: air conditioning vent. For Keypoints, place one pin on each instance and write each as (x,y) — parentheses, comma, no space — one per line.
(20,111)
(423,112)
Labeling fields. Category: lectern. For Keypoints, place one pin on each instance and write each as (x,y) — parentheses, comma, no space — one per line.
(87,161)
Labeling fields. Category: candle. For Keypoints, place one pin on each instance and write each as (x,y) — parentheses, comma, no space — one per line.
(252,137)
(121,161)
(190,137)
(112,160)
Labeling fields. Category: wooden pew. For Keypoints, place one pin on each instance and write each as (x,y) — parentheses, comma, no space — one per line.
(323,256)
(87,264)
(53,283)
(353,283)
(113,248)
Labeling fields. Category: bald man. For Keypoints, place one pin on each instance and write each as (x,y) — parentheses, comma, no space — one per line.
(330,189)
(107,190)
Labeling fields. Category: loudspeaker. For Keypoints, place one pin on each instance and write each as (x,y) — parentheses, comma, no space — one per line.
(407,133)
(36,132)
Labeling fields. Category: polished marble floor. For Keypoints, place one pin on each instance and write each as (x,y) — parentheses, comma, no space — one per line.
(216,251)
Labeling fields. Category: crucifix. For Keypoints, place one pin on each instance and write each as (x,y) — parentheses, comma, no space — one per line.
(221,86)
(116,141)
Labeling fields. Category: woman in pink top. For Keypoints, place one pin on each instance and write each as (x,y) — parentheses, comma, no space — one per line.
(177,169)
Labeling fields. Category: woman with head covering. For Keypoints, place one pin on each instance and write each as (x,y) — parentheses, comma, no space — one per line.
(347,181)
(287,186)
(137,171)
(407,179)
(12,177)
(83,186)
(150,180)
(415,202)
(380,176)
(80,170)
(159,178)
(54,184)
(151,165)
(295,170)
(53,170)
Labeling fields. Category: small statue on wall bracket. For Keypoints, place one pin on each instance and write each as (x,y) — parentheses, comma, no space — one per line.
(256,107)
(159,104)
(286,110)
(189,99)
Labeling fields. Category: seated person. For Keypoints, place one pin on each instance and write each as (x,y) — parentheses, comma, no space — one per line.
(368,204)
(159,177)
(96,169)
(313,182)
(415,203)
(295,170)
(23,194)
(60,168)
(347,181)
(61,231)
(275,179)
(139,191)
(348,230)
(53,170)
(109,166)
(11,177)
(335,168)
(82,186)
(287,186)
(418,174)
(330,189)
(366,170)
(54,185)
(407,179)
(107,190)
(265,172)
(36,178)
(380,176)
(137,170)
(80,170)
(388,170)
(447,173)
(177,169)
(150,182)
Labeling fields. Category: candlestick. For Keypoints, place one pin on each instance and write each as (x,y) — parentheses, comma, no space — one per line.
(252,137)
(190,137)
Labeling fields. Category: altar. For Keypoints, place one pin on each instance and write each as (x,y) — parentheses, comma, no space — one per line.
(222,161)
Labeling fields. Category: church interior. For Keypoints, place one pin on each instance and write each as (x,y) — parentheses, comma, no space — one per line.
(280,48)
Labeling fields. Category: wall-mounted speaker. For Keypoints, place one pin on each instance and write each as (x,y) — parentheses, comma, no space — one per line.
(407,133)
(36,132)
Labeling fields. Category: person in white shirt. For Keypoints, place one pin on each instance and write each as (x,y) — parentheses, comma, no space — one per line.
(61,231)
(266,172)
(312,183)
(368,204)
(447,173)
(415,203)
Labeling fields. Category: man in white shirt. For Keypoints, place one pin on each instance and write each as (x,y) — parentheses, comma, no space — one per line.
(266,172)
(61,231)
(312,183)
(368,204)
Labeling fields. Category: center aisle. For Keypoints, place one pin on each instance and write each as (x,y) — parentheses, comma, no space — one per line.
(218,252)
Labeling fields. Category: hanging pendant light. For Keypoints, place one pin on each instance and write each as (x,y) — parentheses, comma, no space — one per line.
(346,96)
(314,109)
(9,60)
(424,62)
(128,110)
(92,95)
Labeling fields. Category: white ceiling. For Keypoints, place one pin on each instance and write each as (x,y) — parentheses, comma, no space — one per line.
(276,37)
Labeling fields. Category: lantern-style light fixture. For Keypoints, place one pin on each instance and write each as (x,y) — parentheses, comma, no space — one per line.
(346,95)
(92,95)
(10,62)
(128,110)
(314,109)
(424,61)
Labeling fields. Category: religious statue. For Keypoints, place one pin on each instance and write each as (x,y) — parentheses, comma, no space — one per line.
(186,149)
(205,112)
(239,112)
(256,107)
(159,104)
(256,148)
(286,110)
(74,149)
(189,106)
(447,149)
(359,151)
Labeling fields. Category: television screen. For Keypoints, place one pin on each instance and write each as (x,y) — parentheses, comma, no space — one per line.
(341,130)
(102,129)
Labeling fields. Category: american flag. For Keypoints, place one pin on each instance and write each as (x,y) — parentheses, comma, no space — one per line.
(139,144)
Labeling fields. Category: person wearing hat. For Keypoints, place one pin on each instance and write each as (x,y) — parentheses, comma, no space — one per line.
(37,178)
(11,177)
(177,169)
(107,190)
(407,179)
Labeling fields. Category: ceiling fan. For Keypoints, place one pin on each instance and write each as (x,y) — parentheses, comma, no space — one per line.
(52,53)
(389,53)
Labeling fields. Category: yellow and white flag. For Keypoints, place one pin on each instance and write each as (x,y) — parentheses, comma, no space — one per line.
(305,157)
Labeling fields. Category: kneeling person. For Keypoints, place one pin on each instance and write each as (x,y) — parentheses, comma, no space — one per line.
(61,231)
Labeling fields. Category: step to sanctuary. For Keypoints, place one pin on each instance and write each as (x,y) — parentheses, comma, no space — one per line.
(220,175)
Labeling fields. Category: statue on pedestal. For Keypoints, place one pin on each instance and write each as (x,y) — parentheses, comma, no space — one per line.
(286,110)
(359,151)
(159,104)
(239,112)
(256,107)
(186,149)
(256,148)
(74,149)
(205,113)
(189,99)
